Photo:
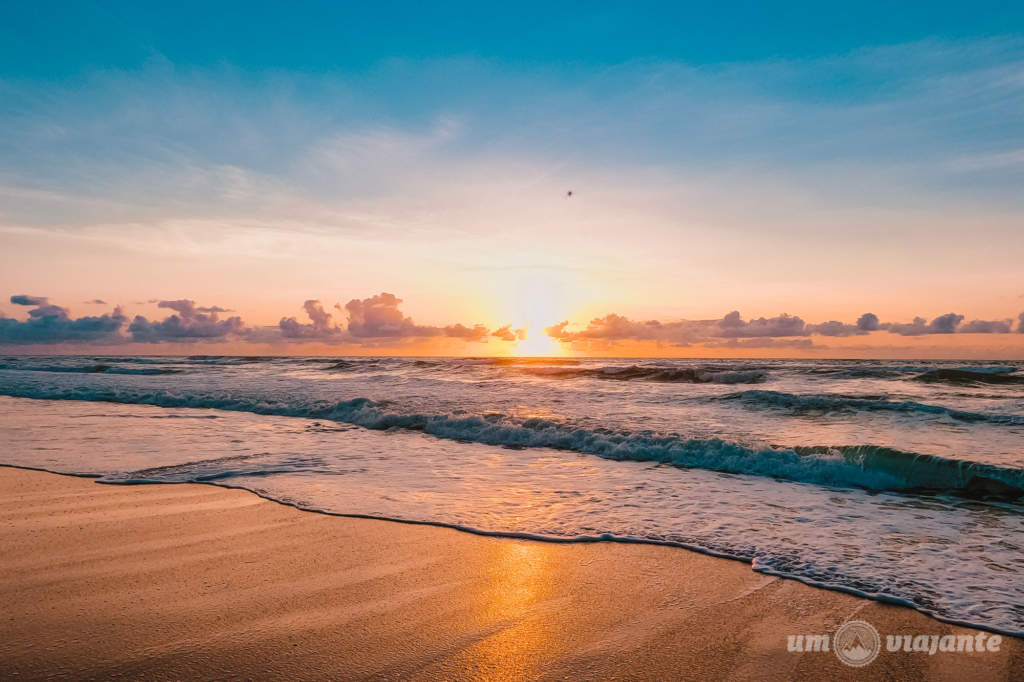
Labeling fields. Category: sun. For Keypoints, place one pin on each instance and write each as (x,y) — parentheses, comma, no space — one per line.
(537,344)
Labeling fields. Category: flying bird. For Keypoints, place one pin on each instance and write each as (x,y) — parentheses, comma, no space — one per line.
(569,193)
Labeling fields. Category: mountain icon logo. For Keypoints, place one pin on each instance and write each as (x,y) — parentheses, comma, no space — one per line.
(856,643)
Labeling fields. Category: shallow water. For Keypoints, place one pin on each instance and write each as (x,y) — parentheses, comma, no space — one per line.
(895,480)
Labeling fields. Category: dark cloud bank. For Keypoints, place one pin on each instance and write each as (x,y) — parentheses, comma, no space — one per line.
(378,321)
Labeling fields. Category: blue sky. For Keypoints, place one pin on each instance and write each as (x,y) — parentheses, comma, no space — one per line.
(56,40)
(823,161)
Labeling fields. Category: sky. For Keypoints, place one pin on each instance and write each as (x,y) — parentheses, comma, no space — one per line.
(363,178)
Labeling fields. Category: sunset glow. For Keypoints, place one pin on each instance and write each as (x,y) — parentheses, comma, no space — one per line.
(512,341)
(492,195)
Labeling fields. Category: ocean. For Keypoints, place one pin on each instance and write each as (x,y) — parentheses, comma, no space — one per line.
(899,481)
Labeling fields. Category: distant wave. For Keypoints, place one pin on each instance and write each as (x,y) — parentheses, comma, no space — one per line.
(864,371)
(869,467)
(558,368)
(973,375)
(685,375)
(522,361)
(355,365)
(834,402)
(90,369)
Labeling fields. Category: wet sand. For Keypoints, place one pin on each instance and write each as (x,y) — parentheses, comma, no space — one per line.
(185,581)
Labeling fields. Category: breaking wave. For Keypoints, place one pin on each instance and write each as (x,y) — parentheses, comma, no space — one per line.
(834,402)
(862,466)
(91,369)
(972,375)
(684,375)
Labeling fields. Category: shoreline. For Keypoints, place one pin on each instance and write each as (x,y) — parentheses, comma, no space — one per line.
(531,537)
(197,580)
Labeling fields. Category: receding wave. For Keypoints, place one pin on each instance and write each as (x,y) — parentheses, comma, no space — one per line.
(864,466)
(836,403)
(974,375)
(683,375)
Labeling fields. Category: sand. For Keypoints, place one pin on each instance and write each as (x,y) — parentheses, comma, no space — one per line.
(184,581)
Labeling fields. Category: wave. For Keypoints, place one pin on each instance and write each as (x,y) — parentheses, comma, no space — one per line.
(685,375)
(990,369)
(836,402)
(91,369)
(513,360)
(973,375)
(372,365)
(865,466)
(864,372)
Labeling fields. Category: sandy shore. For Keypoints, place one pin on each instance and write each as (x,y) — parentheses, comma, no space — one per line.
(177,581)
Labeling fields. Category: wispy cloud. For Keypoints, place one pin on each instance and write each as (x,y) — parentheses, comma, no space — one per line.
(445,171)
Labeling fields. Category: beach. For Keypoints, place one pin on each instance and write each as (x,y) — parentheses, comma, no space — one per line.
(188,580)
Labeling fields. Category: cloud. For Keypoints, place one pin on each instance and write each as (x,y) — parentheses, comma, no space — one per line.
(761,343)
(783,325)
(370,320)
(95,301)
(379,321)
(379,317)
(943,324)
(506,333)
(23,299)
(321,326)
(986,327)
(189,324)
(868,322)
(52,324)
(614,327)
(946,324)
(836,328)
(477,332)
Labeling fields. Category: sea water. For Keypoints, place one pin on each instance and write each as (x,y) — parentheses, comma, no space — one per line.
(900,481)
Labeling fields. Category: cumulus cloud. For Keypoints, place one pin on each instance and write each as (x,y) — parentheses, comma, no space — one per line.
(379,317)
(986,327)
(369,321)
(943,324)
(614,327)
(946,324)
(477,332)
(321,324)
(732,325)
(836,328)
(49,323)
(506,333)
(188,324)
(761,342)
(379,320)
(868,322)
